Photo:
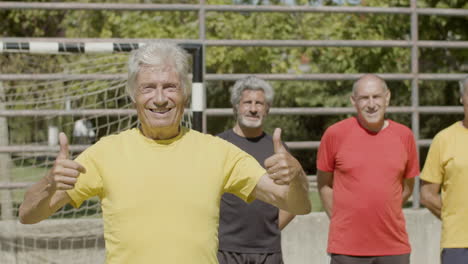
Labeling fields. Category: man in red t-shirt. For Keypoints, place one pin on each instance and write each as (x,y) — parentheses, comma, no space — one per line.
(365,171)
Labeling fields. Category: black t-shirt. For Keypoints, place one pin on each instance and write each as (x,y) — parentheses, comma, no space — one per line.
(249,228)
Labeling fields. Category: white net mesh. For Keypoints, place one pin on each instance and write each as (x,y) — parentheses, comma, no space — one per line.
(72,235)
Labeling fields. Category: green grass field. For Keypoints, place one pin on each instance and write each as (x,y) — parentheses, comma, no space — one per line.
(25,174)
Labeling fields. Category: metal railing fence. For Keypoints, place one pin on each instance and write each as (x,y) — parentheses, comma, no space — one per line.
(413,43)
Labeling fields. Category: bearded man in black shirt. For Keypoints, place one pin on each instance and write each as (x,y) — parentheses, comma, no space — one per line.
(250,233)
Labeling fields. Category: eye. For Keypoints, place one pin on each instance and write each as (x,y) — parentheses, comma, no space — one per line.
(171,87)
(146,89)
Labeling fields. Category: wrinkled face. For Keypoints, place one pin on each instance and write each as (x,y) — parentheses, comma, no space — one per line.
(252,109)
(371,101)
(159,100)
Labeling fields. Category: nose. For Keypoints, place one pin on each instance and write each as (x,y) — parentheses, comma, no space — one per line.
(159,98)
(253,108)
(372,103)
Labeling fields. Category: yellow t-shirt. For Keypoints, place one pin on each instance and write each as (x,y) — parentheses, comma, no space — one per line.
(160,199)
(447,165)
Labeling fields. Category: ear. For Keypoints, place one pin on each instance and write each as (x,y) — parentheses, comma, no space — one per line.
(387,98)
(235,111)
(352,100)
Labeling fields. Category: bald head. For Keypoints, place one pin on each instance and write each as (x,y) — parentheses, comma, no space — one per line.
(369,78)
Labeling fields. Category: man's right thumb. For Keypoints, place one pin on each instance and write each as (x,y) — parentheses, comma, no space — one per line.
(64,150)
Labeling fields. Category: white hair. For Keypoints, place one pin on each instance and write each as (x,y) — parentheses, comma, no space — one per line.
(251,83)
(159,54)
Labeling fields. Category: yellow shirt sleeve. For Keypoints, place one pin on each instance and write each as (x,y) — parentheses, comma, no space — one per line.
(89,184)
(433,170)
(243,173)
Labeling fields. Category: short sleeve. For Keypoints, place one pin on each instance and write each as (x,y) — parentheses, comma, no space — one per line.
(242,173)
(412,167)
(326,153)
(433,170)
(89,184)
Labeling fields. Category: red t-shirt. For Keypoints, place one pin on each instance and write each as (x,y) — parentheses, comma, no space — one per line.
(368,169)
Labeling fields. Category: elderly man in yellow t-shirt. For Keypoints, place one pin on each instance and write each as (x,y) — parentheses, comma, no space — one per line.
(160,184)
(446,168)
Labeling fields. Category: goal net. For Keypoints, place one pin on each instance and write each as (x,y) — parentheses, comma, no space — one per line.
(82,95)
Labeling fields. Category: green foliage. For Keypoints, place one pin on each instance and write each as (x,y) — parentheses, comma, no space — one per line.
(272,26)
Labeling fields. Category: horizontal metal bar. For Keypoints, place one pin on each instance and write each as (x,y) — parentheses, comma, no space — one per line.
(442,44)
(39,148)
(334,76)
(50,150)
(233,42)
(231,8)
(258,42)
(234,76)
(228,111)
(61,76)
(343,110)
(74,112)
(98,6)
(307,9)
(308,43)
(15,185)
(442,11)
(316,144)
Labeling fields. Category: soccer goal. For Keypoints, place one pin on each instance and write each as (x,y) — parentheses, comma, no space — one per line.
(77,88)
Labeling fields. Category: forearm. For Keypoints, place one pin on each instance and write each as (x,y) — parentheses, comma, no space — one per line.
(406,195)
(326,195)
(284,218)
(297,200)
(36,204)
(433,203)
(408,186)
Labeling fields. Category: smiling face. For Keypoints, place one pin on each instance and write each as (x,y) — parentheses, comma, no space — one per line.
(371,99)
(252,109)
(159,100)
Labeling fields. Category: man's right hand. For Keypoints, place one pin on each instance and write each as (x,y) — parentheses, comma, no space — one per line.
(65,172)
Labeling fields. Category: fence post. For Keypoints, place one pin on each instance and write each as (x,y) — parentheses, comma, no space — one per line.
(5,162)
(415,88)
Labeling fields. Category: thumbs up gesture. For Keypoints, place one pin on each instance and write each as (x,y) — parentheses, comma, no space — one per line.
(282,167)
(65,172)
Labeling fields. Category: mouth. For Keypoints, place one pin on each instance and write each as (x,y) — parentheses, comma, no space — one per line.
(160,111)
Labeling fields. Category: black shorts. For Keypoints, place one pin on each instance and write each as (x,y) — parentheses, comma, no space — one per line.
(454,256)
(392,259)
(228,257)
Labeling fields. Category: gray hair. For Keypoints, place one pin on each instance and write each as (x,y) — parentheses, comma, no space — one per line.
(251,83)
(159,54)
(356,83)
(463,86)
